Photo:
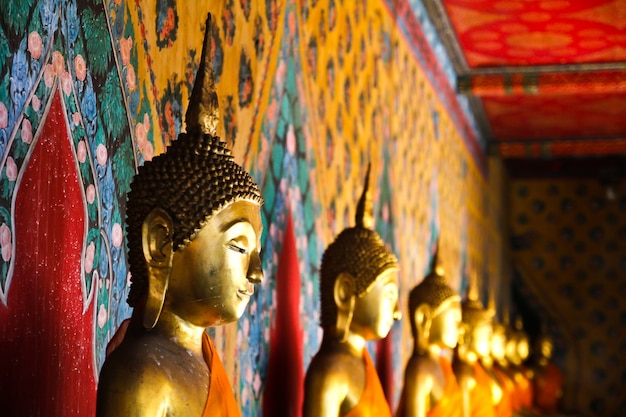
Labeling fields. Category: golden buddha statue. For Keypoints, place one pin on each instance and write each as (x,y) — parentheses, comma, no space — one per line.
(499,367)
(359,302)
(480,392)
(548,378)
(430,387)
(194,229)
(517,351)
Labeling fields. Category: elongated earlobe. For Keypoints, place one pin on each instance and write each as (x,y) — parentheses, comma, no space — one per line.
(423,320)
(157,242)
(345,298)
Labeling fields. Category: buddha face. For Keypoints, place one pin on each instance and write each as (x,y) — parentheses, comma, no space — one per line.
(376,310)
(498,345)
(445,326)
(213,278)
(523,348)
(481,340)
(510,350)
(545,347)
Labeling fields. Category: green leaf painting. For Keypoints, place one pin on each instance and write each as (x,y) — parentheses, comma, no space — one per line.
(123,166)
(15,14)
(113,106)
(4,45)
(98,42)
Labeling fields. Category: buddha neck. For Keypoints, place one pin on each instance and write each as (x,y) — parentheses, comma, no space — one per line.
(468,356)
(353,342)
(542,362)
(432,349)
(487,362)
(180,331)
(502,362)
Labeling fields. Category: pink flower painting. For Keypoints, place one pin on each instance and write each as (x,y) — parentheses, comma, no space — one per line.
(102,316)
(141,135)
(81,152)
(101,155)
(125,46)
(148,152)
(5,242)
(35,45)
(11,168)
(4,116)
(36,102)
(58,63)
(131,78)
(90,193)
(89,257)
(117,235)
(80,67)
(48,75)
(27,131)
(66,82)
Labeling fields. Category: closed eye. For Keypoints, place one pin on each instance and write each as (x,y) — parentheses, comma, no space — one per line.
(236,248)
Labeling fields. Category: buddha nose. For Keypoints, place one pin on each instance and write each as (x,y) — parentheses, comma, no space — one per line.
(255,270)
(397,314)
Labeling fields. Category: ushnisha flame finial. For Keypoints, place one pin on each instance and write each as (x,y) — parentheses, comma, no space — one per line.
(364,216)
(436,267)
(203,113)
(474,313)
(472,291)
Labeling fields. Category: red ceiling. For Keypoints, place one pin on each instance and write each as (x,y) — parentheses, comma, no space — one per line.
(510,32)
(545,77)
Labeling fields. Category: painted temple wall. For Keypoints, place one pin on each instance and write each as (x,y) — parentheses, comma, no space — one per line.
(310,92)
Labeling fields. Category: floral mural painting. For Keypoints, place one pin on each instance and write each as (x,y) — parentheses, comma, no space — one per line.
(65,46)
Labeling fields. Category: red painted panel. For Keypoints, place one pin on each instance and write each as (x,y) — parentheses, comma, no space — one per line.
(515,32)
(284,389)
(47,366)
(553,117)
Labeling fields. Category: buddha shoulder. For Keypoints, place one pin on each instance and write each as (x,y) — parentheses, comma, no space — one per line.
(331,366)
(145,374)
(423,366)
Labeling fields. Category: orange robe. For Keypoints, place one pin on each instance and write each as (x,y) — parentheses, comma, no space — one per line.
(548,383)
(524,390)
(481,400)
(451,403)
(505,407)
(372,402)
(221,401)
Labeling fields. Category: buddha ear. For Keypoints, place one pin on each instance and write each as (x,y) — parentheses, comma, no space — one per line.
(423,320)
(344,293)
(157,233)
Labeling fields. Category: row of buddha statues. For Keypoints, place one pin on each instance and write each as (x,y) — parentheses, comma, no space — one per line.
(194,230)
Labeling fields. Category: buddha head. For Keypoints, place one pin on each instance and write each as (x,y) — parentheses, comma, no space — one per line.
(522,343)
(544,346)
(194,222)
(435,310)
(358,279)
(477,321)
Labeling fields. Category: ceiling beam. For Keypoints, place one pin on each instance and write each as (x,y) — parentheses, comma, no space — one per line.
(555,148)
(548,83)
